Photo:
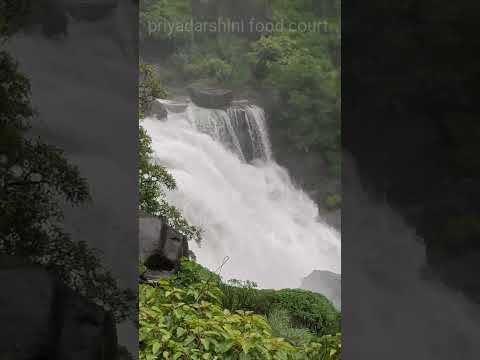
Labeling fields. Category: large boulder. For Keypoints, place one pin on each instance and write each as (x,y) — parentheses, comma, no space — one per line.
(210,97)
(161,247)
(43,319)
(326,283)
(158,110)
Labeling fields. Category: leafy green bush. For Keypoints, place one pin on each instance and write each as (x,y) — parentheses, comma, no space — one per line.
(279,320)
(303,70)
(312,347)
(36,181)
(223,59)
(306,309)
(191,273)
(150,87)
(214,68)
(240,295)
(309,309)
(327,347)
(189,322)
(307,83)
(156,14)
(154,179)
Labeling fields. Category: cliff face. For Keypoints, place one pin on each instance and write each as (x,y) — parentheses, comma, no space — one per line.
(326,283)
(43,319)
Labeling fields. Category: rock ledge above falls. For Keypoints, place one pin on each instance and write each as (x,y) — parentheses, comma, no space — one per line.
(212,98)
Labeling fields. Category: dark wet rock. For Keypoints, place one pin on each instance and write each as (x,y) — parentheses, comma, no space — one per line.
(161,247)
(210,97)
(164,107)
(43,319)
(158,110)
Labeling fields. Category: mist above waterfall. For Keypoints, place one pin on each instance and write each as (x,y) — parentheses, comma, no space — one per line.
(246,204)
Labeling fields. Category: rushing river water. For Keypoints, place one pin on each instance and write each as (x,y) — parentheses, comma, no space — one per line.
(246,204)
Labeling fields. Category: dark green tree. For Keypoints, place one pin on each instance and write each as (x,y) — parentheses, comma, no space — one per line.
(154,179)
(35,178)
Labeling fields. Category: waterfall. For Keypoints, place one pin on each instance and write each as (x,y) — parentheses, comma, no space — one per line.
(241,127)
(229,185)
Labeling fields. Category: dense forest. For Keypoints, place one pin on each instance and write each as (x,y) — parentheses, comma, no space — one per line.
(294,75)
(195,314)
(37,181)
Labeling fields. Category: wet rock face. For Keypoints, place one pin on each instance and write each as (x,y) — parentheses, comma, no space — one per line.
(326,283)
(158,110)
(160,246)
(210,98)
(26,303)
(43,319)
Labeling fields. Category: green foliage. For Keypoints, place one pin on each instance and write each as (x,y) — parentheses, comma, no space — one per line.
(155,14)
(182,317)
(240,295)
(154,179)
(279,320)
(327,347)
(191,273)
(309,309)
(178,323)
(302,68)
(312,347)
(308,84)
(333,201)
(223,59)
(306,309)
(149,87)
(34,178)
(214,68)
(269,50)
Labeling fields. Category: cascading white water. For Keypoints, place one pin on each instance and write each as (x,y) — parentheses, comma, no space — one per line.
(249,211)
(231,126)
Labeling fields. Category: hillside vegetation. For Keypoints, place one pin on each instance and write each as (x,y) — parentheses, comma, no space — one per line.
(194,314)
(187,316)
(293,72)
